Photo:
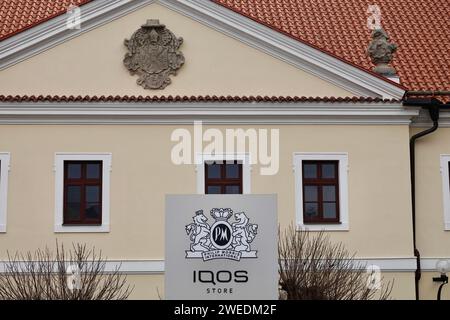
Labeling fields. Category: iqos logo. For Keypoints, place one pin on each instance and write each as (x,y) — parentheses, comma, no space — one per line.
(218,277)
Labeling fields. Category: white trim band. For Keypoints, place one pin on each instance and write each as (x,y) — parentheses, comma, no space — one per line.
(215,113)
(423,119)
(156,266)
(125,266)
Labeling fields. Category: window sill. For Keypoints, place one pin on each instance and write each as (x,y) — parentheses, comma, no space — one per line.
(82,228)
(446,226)
(323,227)
(325,223)
(81,224)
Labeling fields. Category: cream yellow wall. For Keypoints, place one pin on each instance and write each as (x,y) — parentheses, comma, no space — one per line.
(432,240)
(146,286)
(152,286)
(142,174)
(91,64)
(403,285)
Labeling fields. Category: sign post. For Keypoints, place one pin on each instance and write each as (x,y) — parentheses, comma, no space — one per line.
(221,247)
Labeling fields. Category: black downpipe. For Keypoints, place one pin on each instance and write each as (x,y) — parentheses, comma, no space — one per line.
(434,115)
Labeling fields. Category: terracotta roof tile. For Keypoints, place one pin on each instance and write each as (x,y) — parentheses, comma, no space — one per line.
(19,15)
(274,99)
(339,27)
(420,28)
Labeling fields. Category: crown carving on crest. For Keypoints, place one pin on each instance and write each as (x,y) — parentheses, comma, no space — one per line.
(153,23)
(221,214)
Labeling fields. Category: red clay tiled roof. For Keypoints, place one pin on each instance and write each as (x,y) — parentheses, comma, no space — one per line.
(19,15)
(420,28)
(41,98)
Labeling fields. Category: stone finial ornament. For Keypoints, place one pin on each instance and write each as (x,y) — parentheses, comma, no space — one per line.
(381,53)
(153,54)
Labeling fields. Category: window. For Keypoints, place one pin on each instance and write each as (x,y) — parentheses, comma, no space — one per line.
(321,194)
(223,173)
(223,177)
(445,168)
(82,192)
(4,172)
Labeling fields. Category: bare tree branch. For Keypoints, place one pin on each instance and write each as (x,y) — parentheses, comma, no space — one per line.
(43,275)
(311,267)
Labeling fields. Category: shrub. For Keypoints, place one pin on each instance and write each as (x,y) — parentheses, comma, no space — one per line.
(76,274)
(311,267)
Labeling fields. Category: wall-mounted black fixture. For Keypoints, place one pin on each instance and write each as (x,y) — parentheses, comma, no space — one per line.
(441,266)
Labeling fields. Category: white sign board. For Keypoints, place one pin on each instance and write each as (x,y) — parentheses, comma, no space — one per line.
(221,247)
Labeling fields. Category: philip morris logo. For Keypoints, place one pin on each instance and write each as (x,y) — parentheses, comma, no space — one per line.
(221,240)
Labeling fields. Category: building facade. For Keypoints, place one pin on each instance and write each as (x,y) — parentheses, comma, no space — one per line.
(87,153)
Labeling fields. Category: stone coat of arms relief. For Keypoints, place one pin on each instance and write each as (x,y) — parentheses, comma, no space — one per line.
(153,54)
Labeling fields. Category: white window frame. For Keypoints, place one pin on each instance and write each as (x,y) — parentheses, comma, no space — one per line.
(444,160)
(201,158)
(60,157)
(4,173)
(342,157)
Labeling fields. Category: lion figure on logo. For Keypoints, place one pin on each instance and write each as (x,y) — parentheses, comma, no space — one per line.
(199,232)
(243,232)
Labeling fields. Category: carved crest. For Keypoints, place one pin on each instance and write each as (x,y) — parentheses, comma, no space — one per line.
(153,54)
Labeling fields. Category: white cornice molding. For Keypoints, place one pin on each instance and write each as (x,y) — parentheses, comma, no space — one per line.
(53,32)
(296,53)
(214,113)
(424,121)
(282,47)
(429,264)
